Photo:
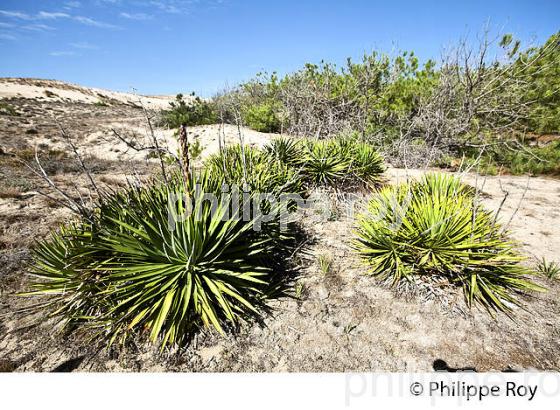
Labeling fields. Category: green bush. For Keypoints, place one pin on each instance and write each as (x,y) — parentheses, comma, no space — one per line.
(262,117)
(519,160)
(434,227)
(325,163)
(236,165)
(332,162)
(543,97)
(285,150)
(535,161)
(129,270)
(367,164)
(197,112)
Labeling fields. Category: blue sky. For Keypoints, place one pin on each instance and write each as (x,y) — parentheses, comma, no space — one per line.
(169,46)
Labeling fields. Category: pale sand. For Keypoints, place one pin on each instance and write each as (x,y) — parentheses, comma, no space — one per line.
(61,91)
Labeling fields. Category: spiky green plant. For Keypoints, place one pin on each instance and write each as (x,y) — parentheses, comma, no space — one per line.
(144,265)
(549,269)
(324,163)
(325,263)
(435,227)
(335,162)
(367,163)
(285,150)
(238,165)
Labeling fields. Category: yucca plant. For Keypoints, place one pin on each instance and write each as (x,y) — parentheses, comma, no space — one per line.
(549,269)
(334,162)
(435,227)
(367,163)
(324,164)
(144,265)
(285,150)
(236,165)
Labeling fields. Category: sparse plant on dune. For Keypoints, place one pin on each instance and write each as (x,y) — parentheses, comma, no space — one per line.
(324,163)
(7,109)
(325,263)
(332,162)
(285,150)
(549,269)
(129,270)
(237,165)
(435,227)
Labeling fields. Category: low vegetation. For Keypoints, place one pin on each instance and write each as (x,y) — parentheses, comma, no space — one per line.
(7,109)
(517,159)
(466,104)
(239,165)
(463,105)
(126,269)
(337,163)
(435,227)
(549,269)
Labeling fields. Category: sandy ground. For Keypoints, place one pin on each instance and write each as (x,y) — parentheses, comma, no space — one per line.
(58,91)
(338,321)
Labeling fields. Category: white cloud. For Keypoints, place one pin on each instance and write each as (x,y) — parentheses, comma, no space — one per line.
(94,23)
(136,16)
(84,45)
(169,6)
(6,25)
(38,27)
(184,6)
(15,14)
(45,15)
(63,53)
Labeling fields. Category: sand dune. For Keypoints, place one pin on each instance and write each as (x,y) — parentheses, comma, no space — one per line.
(52,90)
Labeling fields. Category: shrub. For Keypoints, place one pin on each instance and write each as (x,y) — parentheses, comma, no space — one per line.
(128,269)
(285,150)
(330,162)
(433,227)
(262,117)
(7,109)
(197,112)
(536,160)
(261,172)
(543,96)
(519,159)
(325,163)
(367,163)
(325,99)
